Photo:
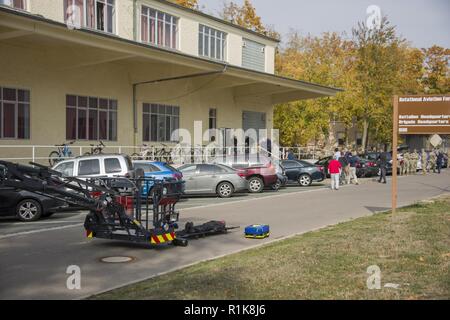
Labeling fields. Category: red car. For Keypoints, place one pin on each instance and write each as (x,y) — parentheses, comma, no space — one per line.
(260,174)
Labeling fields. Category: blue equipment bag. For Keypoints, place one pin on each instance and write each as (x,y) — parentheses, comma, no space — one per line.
(257,231)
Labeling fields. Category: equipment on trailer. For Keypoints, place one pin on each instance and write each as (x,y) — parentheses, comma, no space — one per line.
(203,230)
(257,231)
(117,209)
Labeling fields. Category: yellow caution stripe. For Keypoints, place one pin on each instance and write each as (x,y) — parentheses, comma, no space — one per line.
(162,238)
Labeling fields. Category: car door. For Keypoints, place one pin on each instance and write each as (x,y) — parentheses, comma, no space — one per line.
(189,176)
(9,197)
(292,169)
(206,178)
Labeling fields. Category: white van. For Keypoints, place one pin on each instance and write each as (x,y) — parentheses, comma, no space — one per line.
(95,166)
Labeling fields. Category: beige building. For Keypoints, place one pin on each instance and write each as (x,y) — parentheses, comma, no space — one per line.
(130,72)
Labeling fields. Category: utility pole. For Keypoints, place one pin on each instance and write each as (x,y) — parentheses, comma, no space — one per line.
(394,152)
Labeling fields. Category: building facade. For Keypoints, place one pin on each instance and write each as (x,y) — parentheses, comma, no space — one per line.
(130,72)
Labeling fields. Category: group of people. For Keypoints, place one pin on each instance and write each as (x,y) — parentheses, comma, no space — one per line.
(342,168)
(429,161)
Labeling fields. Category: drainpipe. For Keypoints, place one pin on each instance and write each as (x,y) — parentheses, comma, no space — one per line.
(135,129)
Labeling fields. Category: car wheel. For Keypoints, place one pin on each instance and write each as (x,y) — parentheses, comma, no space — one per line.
(28,210)
(304,180)
(255,185)
(225,189)
(277,185)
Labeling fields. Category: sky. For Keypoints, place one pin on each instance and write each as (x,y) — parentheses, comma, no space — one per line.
(423,23)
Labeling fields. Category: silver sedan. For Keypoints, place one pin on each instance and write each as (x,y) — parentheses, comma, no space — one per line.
(212,179)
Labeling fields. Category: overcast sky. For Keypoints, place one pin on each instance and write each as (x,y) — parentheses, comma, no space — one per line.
(422,22)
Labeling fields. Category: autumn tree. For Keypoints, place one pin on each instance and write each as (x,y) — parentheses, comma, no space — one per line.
(326,60)
(246,16)
(378,66)
(436,78)
(191,4)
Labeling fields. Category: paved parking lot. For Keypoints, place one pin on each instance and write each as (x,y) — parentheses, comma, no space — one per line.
(34,262)
(11,226)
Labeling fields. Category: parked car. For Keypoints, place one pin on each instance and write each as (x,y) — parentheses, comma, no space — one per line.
(212,179)
(259,170)
(94,166)
(373,157)
(364,168)
(26,206)
(157,170)
(303,172)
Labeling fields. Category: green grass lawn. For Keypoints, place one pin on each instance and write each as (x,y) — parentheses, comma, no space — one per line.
(412,249)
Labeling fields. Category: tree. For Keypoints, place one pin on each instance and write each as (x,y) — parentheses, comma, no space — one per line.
(246,17)
(191,4)
(436,75)
(327,60)
(378,67)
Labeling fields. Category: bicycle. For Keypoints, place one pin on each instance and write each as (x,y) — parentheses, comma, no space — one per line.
(96,149)
(62,153)
(144,154)
(163,155)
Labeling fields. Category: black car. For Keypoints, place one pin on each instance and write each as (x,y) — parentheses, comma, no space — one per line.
(374,157)
(27,206)
(302,172)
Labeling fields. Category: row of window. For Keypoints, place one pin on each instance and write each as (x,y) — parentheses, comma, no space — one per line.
(157,28)
(90,118)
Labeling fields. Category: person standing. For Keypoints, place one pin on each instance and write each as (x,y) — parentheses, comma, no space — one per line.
(439,160)
(406,157)
(382,163)
(290,155)
(211,150)
(433,161)
(414,159)
(344,172)
(400,163)
(353,161)
(423,161)
(334,169)
(337,153)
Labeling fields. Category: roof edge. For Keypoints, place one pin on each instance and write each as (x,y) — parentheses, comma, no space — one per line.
(209,16)
(27,15)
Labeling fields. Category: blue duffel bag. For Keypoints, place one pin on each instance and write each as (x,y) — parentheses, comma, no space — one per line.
(257,231)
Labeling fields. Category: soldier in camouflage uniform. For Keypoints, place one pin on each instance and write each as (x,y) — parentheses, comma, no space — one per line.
(400,162)
(433,161)
(423,161)
(414,159)
(406,159)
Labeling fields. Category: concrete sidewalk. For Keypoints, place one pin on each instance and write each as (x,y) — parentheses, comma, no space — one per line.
(34,265)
